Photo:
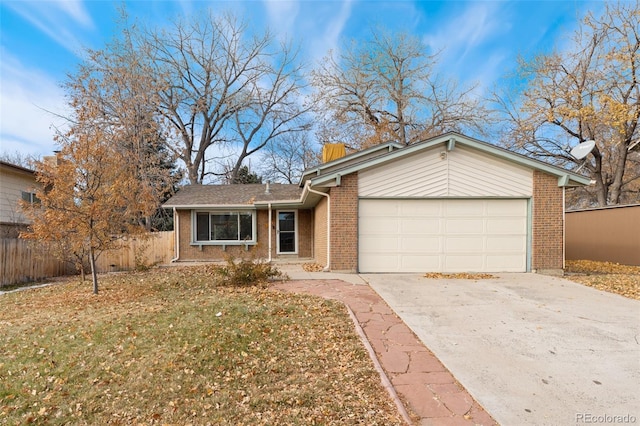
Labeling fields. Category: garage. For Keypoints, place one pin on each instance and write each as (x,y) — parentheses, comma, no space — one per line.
(446,204)
(442,235)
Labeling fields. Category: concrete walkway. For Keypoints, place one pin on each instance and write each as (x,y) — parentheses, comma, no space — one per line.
(426,388)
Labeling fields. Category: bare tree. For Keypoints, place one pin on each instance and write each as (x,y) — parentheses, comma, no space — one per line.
(590,92)
(218,85)
(18,158)
(287,157)
(386,89)
(113,89)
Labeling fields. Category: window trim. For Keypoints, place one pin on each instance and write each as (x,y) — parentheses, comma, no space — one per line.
(194,227)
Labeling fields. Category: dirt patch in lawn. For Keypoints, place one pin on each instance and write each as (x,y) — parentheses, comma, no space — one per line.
(607,276)
(170,346)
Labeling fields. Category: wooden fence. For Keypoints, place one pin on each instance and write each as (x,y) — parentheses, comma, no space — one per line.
(22,261)
(156,250)
(607,234)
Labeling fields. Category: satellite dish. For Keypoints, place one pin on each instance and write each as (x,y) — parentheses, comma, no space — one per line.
(583,149)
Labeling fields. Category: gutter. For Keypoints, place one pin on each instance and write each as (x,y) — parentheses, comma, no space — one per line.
(313,191)
(176,232)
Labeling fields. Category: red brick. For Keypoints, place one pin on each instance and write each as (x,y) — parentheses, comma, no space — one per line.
(344,224)
(548,208)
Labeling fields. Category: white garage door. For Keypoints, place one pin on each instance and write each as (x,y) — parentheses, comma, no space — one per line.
(417,235)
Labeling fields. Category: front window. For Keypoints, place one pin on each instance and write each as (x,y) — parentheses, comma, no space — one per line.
(225,226)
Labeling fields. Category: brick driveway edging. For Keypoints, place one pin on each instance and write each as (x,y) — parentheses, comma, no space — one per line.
(425,387)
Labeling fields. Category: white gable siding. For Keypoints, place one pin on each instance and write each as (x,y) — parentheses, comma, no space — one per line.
(420,175)
(463,172)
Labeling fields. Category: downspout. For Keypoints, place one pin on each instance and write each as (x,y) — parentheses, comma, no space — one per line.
(176,230)
(564,226)
(269,258)
(313,191)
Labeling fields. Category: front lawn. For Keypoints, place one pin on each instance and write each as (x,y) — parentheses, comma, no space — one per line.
(170,347)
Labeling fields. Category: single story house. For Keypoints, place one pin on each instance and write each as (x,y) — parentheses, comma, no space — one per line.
(447,204)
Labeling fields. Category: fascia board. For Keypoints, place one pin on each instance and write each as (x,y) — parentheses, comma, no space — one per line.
(318,169)
(463,140)
(379,160)
(278,202)
(525,161)
(4,166)
(210,206)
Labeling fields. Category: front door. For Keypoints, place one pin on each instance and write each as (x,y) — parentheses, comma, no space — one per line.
(286,229)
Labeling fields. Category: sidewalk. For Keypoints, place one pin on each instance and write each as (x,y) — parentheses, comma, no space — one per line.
(419,379)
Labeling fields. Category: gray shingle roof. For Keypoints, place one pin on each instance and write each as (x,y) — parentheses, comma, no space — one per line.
(232,195)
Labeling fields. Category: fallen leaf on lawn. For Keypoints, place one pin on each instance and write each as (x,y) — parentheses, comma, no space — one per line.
(606,276)
(458,276)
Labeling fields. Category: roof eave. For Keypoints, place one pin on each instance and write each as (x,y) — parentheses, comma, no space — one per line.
(272,202)
(17,168)
(450,139)
(317,170)
(232,206)
(208,206)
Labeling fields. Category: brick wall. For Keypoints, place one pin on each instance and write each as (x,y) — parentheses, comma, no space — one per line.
(260,250)
(344,224)
(305,233)
(320,232)
(216,253)
(547,238)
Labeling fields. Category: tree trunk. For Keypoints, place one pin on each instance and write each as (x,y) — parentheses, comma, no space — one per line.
(616,186)
(601,190)
(193,171)
(94,274)
(600,179)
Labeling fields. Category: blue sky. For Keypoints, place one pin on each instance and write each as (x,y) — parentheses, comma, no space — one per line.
(42,41)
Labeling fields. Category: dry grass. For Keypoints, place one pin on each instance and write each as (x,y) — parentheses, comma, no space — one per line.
(171,347)
(612,277)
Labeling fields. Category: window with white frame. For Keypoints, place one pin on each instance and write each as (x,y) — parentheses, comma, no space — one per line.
(225,227)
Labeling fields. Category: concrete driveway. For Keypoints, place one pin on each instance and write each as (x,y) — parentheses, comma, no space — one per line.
(531,349)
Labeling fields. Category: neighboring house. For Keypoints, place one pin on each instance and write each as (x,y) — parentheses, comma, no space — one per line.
(16,183)
(448,204)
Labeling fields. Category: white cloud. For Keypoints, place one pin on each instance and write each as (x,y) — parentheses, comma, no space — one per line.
(57,19)
(328,37)
(472,46)
(75,9)
(29,102)
(487,73)
(282,15)
(476,24)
